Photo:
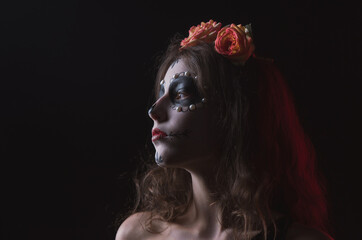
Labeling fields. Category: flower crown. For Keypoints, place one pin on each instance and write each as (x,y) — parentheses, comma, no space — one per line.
(232,41)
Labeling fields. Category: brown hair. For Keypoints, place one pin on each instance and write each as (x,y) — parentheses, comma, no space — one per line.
(268,163)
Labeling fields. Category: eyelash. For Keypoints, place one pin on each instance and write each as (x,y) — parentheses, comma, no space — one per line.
(181,93)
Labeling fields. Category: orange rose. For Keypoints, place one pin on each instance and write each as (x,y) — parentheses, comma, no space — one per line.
(235,43)
(205,32)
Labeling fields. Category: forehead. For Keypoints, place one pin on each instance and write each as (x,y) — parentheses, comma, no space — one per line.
(176,67)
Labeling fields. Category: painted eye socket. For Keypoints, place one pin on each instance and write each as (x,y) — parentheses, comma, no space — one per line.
(181,95)
(161,92)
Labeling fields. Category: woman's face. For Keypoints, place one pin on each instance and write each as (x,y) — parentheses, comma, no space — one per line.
(184,129)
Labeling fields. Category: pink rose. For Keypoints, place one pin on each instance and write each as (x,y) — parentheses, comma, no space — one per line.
(205,32)
(235,43)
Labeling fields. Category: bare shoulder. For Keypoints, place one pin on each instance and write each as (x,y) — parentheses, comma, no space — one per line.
(300,232)
(133,227)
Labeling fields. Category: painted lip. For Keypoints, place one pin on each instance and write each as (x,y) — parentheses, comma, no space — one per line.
(157,134)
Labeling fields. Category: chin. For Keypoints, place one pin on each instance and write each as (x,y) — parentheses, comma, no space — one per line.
(166,161)
(182,156)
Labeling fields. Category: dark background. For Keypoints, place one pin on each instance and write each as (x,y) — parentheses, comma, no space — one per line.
(76,80)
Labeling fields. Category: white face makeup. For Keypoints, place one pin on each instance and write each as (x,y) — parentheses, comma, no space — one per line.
(183,136)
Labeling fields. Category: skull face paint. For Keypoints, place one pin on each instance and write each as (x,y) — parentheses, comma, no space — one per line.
(162,90)
(187,137)
(158,158)
(183,92)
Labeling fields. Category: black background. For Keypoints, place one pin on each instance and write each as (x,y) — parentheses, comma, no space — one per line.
(76,79)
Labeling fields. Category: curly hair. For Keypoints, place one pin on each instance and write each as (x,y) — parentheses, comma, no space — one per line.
(267,162)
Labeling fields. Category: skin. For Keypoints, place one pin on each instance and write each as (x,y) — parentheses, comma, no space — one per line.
(191,142)
(196,152)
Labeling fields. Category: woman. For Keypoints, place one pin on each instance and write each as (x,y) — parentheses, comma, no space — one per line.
(232,159)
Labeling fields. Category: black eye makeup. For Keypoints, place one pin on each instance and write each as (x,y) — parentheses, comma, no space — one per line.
(162,91)
(183,91)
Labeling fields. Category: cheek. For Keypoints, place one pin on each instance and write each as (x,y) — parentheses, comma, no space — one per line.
(196,122)
(200,133)
(194,139)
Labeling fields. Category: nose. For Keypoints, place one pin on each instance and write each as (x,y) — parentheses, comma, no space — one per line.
(152,113)
(156,112)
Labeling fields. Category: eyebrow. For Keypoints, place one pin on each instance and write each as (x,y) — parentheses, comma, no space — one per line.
(174,62)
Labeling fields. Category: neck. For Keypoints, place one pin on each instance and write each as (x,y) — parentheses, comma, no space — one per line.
(203,214)
(202,200)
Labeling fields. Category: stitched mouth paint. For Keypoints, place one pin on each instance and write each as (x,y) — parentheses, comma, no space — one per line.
(184,133)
